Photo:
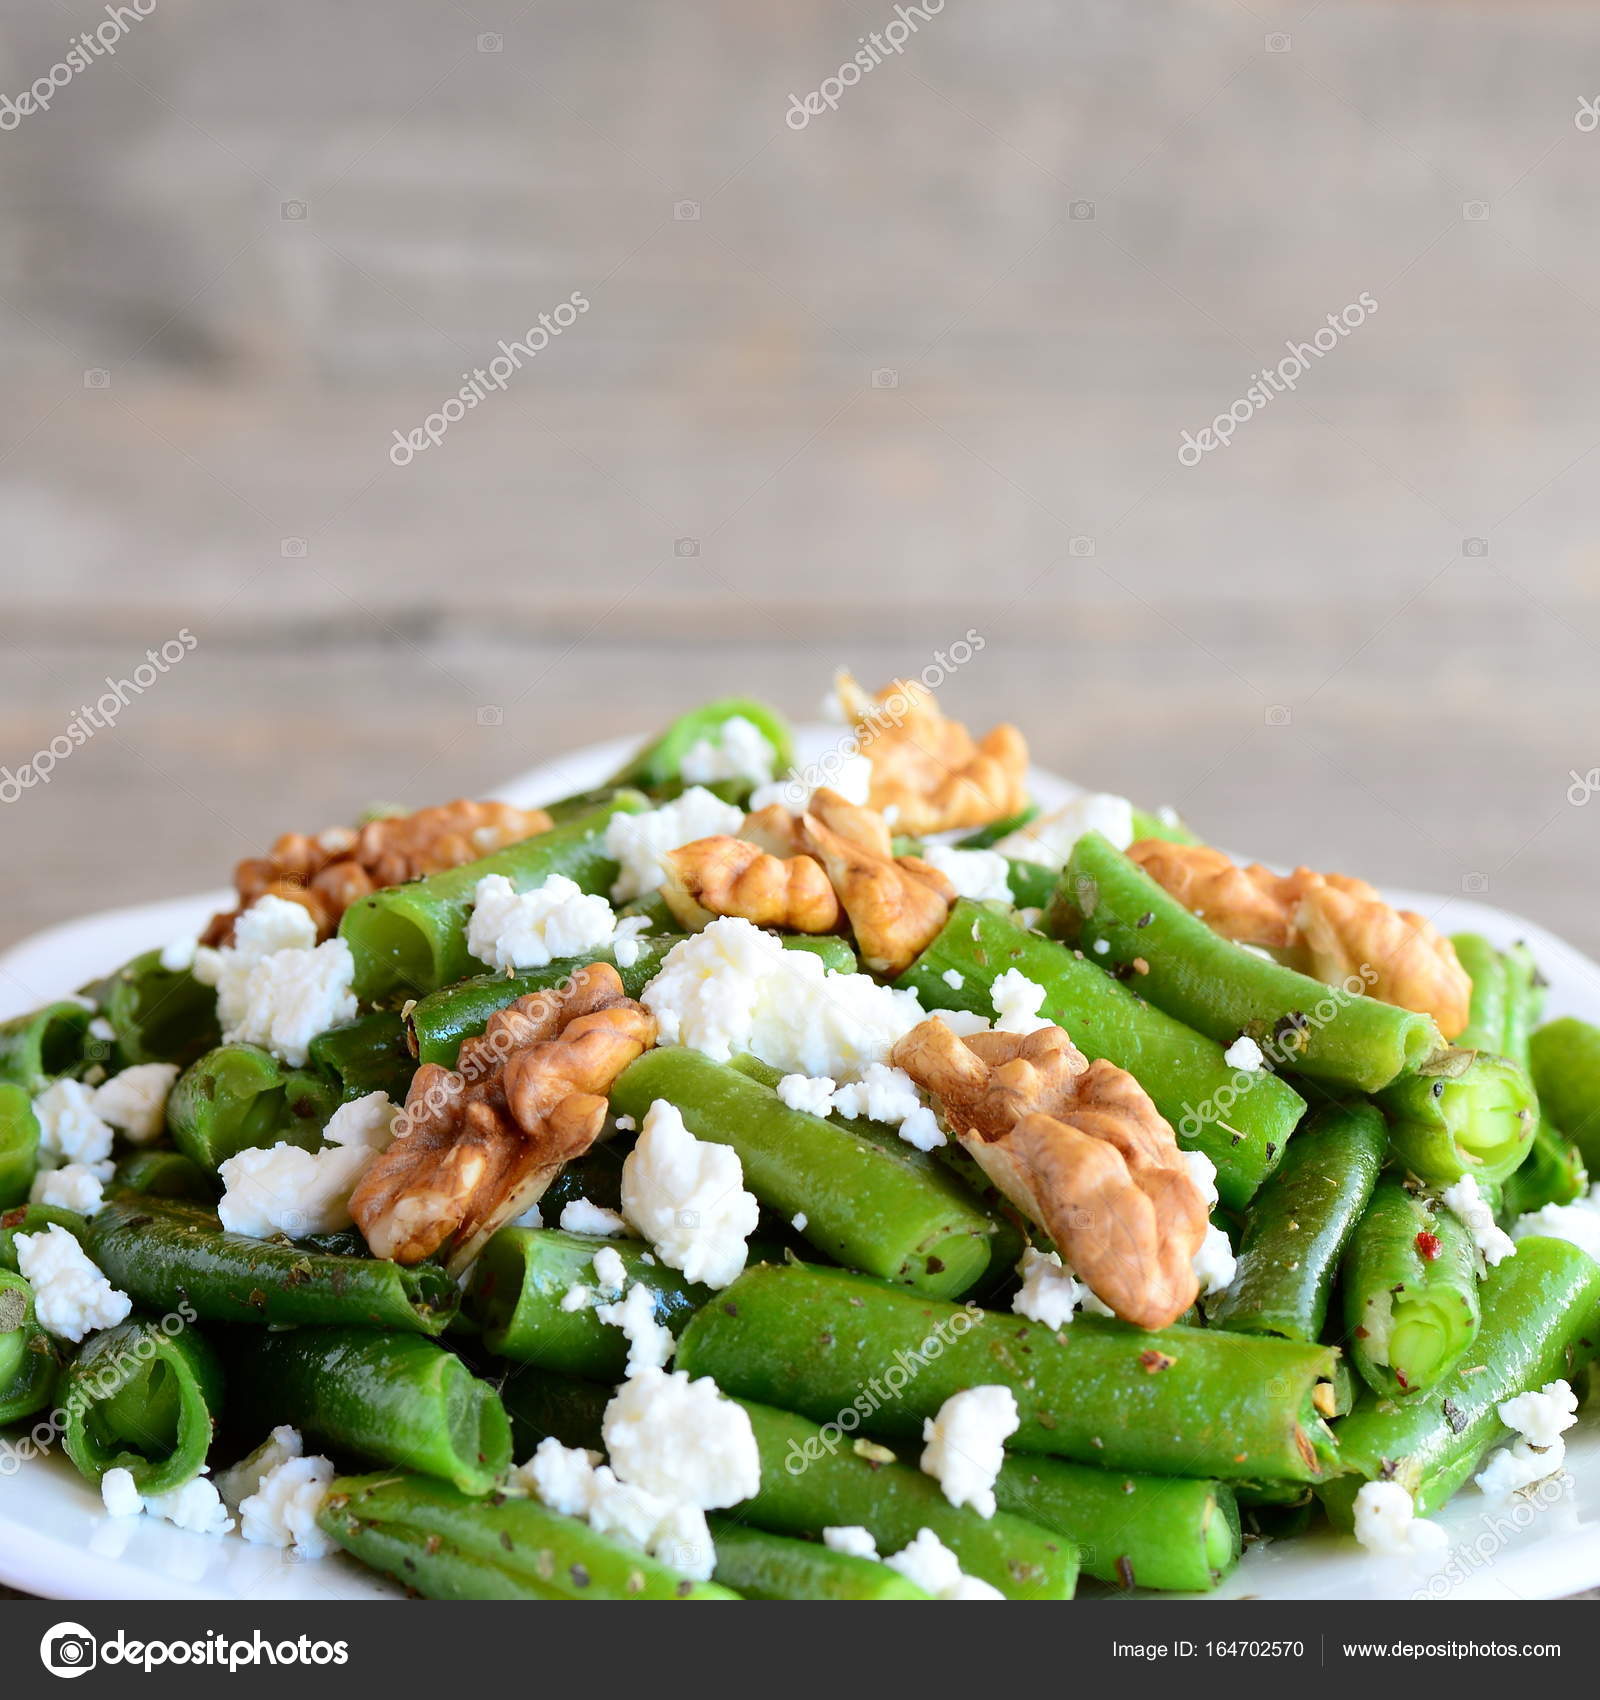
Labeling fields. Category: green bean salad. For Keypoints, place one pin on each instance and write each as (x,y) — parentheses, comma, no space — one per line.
(833,1181)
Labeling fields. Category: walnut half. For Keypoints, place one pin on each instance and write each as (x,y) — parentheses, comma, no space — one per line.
(1079,1147)
(478,1145)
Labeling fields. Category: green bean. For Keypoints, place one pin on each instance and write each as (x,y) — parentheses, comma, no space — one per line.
(240,1096)
(1165,825)
(370,1055)
(29,1365)
(1032,883)
(446,1545)
(1299,1225)
(542,1403)
(837,956)
(1410,1291)
(394,1398)
(143,1397)
(660,762)
(1486,1016)
(1239,1118)
(1538,1318)
(762,1566)
(412,938)
(1181,1401)
(162,1249)
(166,1174)
(1564,1057)
(517,1285)
(893,1212)
(38,1047)
(19,1145)
(1463,1113)
(986,837)
(157,1014)
(1525,989)
(1134,1531)
(812,1479)
(1332,1034)
(440,1021)
(33,1219)
(1553,1172)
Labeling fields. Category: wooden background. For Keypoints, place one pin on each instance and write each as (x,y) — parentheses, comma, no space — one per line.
(841,394)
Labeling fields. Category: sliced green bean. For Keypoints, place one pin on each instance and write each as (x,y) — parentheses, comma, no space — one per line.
(240,1096)
(1299,1224)
(19,1145)
(29,1365)
(45,1043)
(1538,1320)
(1112,908)
(986,837)
(166,1174)
(143,1396)
(412,939)
(1410,1291)
(660,762)
(517,1286)
(163,1249)
(371,1054)
(893,1212)
(1464,1113)
(446,1545)
(762,1566)
(542,1403)
(394,1398)
(157,1014)
(1178,1401)
(1240,1118)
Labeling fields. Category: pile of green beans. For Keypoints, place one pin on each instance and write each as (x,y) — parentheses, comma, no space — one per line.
(1538,1321)
(1240,1119)
(876,1205)
(409,940)
(1300,1223)
(161,1250)
(1181,1401)
(1411,1305)
(1110,907)
(394,1398)
(447,1545)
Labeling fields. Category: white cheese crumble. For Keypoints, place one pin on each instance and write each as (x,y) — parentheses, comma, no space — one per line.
(239,1481)
(512,929)
(282,1512)
(1214,1263)
(847,773)
(577,1297)
(71,1297)
(850,1539)
(930,1564)
(650,1343)
(1579,1222)
(687,1197)
(195,1506)
(610,1272)
(276,986)
(682,1439)
(1387,1522)
(966,1444)
(802,1092)
(1243,1053)
(981,875)
(283,1189)
(638,842)
(627,946)
(1465,1201)
(954,979)
(1539,1421)
(1050,1293)
(177,955)
(739,751)
(136,1100)
(1203,1172)
(735,988)
(70,1129)
(1049,838)
(582,1217)
(1016,1001)
(75,1187)
(120,1496)
(890,1095)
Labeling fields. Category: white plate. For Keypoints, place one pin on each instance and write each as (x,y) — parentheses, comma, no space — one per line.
(56,1540)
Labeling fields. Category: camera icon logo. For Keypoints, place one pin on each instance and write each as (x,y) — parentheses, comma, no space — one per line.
(1081,209)
(686,212)
(1475,548)
(1278,715)
(292,548)
(491,714)
(686,546)
(1475,884)
(294,211)
(1080,546)
(489,42)
(1277,42)
(68,1649)
(885,378)
(97,378)
(1475,209)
